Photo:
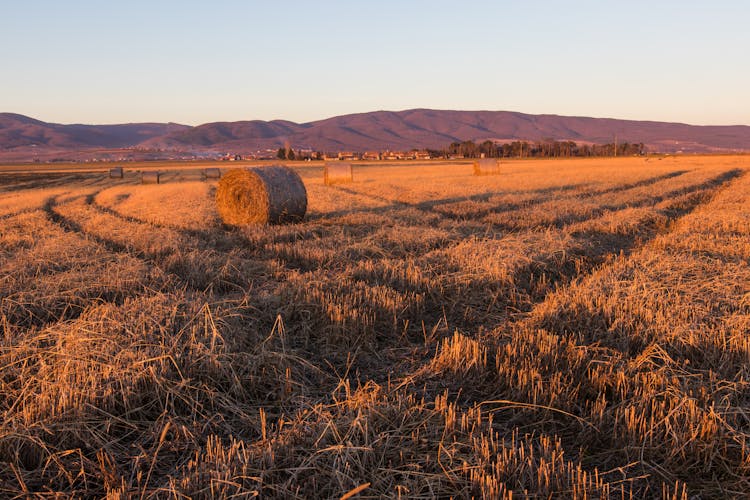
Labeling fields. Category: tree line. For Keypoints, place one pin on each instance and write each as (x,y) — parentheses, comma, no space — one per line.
(517,149)
(541,149)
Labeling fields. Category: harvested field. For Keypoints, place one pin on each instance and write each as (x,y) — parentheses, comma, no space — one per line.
(571,328)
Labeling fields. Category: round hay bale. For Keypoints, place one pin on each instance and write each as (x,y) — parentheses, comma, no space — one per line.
(261,195)
(115,173)
(336,172)
(211,173)
(150,177)
(487,166)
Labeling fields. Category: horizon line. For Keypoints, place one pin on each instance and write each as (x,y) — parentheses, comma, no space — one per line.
(376,111)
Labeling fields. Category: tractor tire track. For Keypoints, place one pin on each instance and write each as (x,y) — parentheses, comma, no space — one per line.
(18,213)
(196,259)
(60,304)
(531,283)
(564,220)
(598,257)
(154,260)
(432,206)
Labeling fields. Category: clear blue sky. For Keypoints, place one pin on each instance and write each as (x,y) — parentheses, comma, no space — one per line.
(193,62)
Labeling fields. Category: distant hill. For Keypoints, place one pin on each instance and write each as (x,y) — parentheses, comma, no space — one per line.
(241,134)
(378,130)
(18,131)
(424,128)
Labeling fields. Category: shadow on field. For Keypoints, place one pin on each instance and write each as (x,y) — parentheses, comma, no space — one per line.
(470,305)
(565,219)
(382,306)
(18,182)
(544,195)
(431,205)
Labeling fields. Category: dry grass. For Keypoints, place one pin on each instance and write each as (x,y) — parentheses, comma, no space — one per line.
(183,205)
(566,329)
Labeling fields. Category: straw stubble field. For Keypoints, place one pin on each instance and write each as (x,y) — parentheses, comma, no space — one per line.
(566,329)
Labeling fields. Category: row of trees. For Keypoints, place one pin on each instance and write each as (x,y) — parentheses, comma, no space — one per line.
(288,153)
(541,149)
(516,149)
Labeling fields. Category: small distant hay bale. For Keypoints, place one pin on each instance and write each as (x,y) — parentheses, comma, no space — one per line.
(261,195)
(337,172)
(115,173)
(487,166)
(211,173)
(150,177)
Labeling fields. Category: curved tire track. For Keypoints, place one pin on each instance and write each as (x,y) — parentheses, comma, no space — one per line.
(432,205)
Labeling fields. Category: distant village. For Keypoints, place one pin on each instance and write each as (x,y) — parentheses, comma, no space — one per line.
(138,154)
(269,154)
(310,155)
(455,151)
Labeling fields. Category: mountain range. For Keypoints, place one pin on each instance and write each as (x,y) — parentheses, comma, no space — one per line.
(22,137)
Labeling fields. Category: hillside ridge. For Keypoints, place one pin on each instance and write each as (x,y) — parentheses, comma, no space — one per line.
(377,130)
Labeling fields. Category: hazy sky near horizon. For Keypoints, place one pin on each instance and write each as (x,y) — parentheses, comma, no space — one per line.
(85,61)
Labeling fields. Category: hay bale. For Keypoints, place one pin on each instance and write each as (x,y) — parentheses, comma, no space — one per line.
(487,166)
(337,172)
(211,173)
(115,173)
(261,195)
(150,177)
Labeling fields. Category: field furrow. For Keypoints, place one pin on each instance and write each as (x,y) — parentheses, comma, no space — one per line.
(173,252)
(318,273)
(50,275)
(565,329)
(640,350)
